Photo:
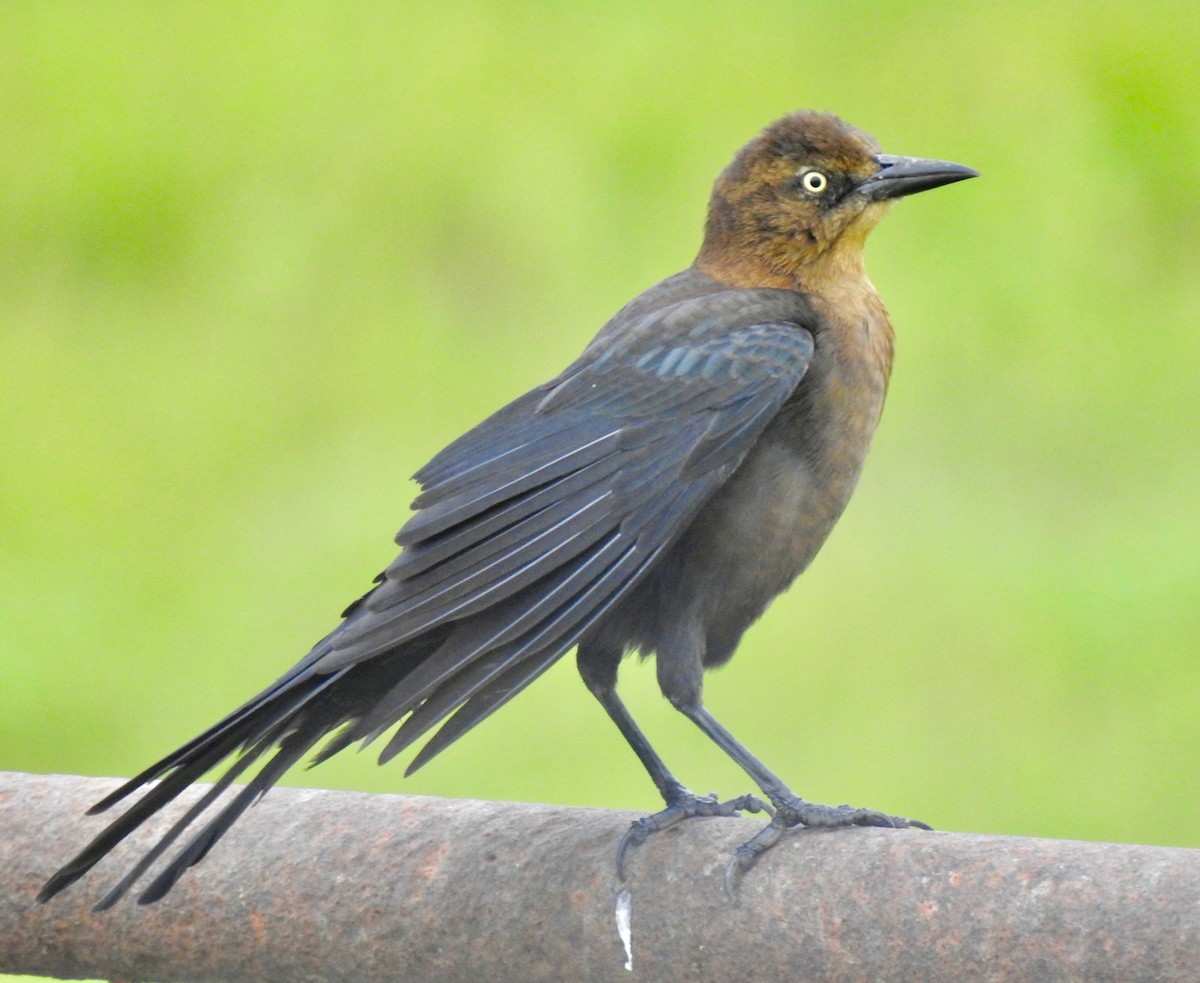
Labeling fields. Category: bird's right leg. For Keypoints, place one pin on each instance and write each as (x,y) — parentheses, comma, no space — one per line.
(600,676)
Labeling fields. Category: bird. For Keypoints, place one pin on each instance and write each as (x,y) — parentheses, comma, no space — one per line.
(654,497)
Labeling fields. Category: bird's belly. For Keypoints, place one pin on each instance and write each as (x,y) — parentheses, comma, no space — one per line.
(766,526)
(745,547)
(763,527)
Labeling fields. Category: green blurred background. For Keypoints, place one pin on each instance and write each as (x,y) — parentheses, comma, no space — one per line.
(259,262)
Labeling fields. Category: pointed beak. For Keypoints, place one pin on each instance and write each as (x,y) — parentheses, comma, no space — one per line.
(899,176)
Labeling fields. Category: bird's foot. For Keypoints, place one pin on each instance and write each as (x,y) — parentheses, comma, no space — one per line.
(684,804)
(794,811)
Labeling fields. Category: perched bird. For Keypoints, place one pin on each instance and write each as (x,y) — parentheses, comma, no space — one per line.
(654,497)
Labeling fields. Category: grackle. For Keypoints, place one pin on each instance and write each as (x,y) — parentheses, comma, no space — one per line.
(653,497)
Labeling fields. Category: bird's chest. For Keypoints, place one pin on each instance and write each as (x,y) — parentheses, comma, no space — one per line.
(777,510)
(802,471)
(763,527)
(768,522)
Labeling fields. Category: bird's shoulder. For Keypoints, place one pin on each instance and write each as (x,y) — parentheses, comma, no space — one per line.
(688,332)
(689,340)
(692,306)
(620,450)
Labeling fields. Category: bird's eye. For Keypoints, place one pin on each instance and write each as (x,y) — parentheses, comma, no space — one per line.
(814,182)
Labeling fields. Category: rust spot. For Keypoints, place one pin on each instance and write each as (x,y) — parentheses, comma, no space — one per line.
(432,861)
(258,925)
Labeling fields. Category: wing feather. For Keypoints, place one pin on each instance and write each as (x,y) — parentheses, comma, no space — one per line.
(528,530)
(522,578)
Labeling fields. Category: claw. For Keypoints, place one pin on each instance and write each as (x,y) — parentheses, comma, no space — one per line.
(745,856)
(798,812)
(683,805)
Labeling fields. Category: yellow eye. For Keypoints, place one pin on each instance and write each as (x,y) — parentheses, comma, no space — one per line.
(814,182)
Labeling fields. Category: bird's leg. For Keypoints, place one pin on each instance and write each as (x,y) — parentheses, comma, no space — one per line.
(681,802)
(789,809)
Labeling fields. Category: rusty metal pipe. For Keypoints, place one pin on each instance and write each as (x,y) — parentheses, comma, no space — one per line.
(315,885)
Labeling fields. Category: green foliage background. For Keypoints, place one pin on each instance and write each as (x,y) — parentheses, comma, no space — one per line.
(258,262)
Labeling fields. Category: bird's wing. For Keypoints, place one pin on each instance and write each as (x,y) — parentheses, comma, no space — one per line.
(528,529)
(534,524)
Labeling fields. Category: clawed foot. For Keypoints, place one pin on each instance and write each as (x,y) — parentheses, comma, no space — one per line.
(683,804)
(797,812)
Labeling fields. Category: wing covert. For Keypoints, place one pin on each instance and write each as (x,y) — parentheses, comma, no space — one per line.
(538,521)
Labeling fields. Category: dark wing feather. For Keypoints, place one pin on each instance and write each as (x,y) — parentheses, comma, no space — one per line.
(526,576)
(529,529)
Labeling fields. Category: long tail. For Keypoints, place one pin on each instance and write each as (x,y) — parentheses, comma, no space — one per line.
(288,718)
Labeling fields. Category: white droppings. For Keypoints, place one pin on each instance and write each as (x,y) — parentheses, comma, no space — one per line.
(624,915)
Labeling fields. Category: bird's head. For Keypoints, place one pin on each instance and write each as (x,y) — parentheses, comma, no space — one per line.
(797,202)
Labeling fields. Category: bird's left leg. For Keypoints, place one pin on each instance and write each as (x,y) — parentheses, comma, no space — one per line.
(600,676)
(790,810)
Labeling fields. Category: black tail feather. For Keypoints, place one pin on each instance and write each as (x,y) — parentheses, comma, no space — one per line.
(263,725)
(245,719)
(164,844)
(456,675)
(291,749)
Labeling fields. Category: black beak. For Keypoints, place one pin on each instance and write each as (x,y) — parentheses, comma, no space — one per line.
(899,176)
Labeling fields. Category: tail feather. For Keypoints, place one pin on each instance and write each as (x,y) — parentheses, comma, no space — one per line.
(291,749)
(154,800)
(455,675)
(254,732)
(164,844)
(246,718)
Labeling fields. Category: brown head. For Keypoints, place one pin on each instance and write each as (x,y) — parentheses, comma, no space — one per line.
(796,204)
